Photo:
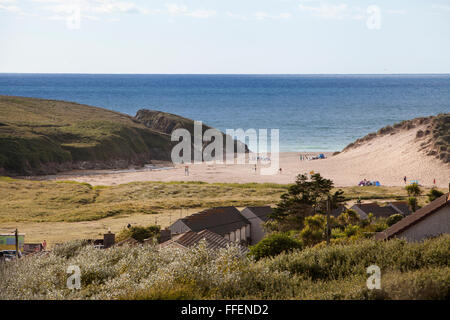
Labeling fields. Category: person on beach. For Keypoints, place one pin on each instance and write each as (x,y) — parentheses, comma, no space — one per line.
(186,170)
(404,179)
(44,245)
(280,170)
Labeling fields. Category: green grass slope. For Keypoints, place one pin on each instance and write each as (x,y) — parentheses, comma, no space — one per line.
(45,136)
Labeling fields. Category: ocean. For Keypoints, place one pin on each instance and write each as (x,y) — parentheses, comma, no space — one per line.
(312,112)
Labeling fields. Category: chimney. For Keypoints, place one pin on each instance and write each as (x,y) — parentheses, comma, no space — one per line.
(164,235)
(108,240)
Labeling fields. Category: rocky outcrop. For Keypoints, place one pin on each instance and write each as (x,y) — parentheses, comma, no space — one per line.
(167,123)
(40,136)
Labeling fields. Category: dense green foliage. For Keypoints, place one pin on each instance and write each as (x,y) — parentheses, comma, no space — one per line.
(393,219)
(412,202)
(273,245)
(305,197)
(138,233)
(413,190)
(434,194)
(408,271)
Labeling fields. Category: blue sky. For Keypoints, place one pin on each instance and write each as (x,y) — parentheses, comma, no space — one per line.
(227,36)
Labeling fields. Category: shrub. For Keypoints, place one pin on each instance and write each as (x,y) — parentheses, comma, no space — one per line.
(273,245)
(409,271)
(138,233)
(69,249)
(413,203)
(393,219)
(314,230)
(413,190)
(434,194)
(338,261)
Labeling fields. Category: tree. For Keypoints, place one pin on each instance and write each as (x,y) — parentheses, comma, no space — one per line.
(434,194)
(305,198)
(413,190)
(273,245)
(349,217)
(314,231)
(412,201)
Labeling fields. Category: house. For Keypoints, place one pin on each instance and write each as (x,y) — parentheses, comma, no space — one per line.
(339,210)
(398,207)
(192,238)
(429,221)
(257,216)
(224,221)
(401,206)
(363,209)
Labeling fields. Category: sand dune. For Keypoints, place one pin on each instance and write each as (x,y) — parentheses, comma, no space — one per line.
(386,158)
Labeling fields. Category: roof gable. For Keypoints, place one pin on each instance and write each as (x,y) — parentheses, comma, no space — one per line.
(417,216)
(375,209)
(262,212)
(191,238)
(220,220)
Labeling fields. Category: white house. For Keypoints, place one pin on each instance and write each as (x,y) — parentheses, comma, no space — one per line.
(256,216)
(427,222)
(224,221)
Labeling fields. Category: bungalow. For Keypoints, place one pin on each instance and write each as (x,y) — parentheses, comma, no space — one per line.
(257,216)
(339,210)
(401,207)
(429,221)
(398,207)
(191,238)
(224,221)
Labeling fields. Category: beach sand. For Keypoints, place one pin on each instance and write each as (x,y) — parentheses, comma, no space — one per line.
(386,159)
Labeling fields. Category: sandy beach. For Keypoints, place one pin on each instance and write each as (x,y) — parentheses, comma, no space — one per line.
(387,159)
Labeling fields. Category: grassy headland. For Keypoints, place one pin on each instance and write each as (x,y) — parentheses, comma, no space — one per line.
(45,136)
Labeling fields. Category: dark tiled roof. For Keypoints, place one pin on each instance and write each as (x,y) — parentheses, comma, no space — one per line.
(338,211)
(261,212)
(191,238)
(220,220)
(376,210)
(403,206)
(417,216)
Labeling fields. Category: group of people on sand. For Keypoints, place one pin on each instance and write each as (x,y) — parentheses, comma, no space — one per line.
(366,183)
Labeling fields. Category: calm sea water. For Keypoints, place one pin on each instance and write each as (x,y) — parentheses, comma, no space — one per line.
(313,112)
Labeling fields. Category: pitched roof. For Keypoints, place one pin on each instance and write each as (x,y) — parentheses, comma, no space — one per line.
(412,219)
(338,211)
(220,220)
(376,210)
(403,206)
(261,212)
(191,238)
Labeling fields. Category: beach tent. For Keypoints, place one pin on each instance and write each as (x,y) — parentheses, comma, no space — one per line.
(321,156)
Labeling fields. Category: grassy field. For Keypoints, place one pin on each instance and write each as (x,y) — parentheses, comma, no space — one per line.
(59,211)
(37,136)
